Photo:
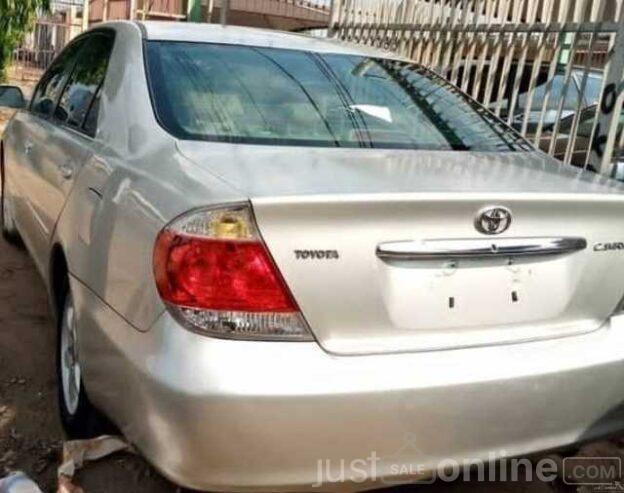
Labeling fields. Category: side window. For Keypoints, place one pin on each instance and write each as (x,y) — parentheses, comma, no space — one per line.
(53,81)
(82,90)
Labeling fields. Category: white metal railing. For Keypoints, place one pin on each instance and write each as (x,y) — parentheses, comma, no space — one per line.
(50,33)
(540,64)
(48,37)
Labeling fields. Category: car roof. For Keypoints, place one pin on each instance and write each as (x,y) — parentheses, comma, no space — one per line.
(248,36)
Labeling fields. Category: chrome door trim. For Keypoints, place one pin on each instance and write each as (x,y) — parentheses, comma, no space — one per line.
(478,248)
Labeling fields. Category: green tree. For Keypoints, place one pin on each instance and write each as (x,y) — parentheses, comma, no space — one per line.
(16,19)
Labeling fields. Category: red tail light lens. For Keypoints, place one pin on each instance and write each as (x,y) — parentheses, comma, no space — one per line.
(219,275)
(214,272)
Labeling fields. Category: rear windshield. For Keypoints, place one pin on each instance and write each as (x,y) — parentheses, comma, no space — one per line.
(246,94)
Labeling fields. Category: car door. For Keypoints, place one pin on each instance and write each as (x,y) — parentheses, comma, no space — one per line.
(32,130)
(69,131)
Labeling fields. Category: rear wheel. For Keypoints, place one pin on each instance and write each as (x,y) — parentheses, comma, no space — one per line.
(78,416)
(7,223)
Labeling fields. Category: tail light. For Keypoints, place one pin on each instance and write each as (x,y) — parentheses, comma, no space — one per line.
(217,277)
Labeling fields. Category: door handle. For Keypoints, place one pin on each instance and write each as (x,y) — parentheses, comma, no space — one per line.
(95,193)
(66,171)
(28,147)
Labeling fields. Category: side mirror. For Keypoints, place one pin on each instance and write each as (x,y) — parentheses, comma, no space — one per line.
(12,97)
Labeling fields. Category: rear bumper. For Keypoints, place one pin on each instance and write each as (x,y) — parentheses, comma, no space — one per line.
(232,416)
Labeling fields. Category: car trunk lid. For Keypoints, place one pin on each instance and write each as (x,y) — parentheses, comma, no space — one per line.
(326,235)
(358,301)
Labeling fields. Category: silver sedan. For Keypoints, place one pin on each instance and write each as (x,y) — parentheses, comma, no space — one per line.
(280,262)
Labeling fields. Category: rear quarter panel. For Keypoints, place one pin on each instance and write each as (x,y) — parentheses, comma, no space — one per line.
(134,184)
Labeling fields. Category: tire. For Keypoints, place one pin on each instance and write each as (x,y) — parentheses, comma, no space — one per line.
(78,416)
(7,223)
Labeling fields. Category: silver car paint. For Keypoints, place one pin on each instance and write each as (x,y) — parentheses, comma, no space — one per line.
(288,171)
(50,157)
(232,415)
(222,415)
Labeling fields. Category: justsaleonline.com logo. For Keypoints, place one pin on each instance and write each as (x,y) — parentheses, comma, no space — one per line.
(593,471)
(602,473)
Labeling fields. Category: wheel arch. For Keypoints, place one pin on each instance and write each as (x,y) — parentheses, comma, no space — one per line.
(58,278)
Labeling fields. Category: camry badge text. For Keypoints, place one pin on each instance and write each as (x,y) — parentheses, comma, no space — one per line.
(603,247)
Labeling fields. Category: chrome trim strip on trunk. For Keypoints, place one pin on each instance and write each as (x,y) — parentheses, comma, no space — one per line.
(478,248)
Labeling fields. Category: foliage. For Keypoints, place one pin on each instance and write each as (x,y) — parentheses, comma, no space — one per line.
(16,19)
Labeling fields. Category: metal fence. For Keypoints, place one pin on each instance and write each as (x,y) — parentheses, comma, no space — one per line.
(553,69)
(50,33)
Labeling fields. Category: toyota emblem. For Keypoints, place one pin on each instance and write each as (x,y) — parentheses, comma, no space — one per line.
(493,220)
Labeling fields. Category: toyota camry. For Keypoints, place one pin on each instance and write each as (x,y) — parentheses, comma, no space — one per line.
(279,261)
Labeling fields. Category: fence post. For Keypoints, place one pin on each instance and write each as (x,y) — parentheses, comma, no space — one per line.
(603,143)
(85,15)
(193,10)
(334,16)
(209,10)
(225,8)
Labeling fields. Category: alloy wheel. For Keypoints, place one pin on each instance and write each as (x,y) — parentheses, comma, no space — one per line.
(70,366)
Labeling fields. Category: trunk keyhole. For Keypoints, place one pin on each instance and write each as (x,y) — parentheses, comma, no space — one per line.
(514,296)
(452,302)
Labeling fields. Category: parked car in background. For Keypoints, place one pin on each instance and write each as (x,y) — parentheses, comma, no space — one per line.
(271,256)
(589,94)
(582,142)
(588,97)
